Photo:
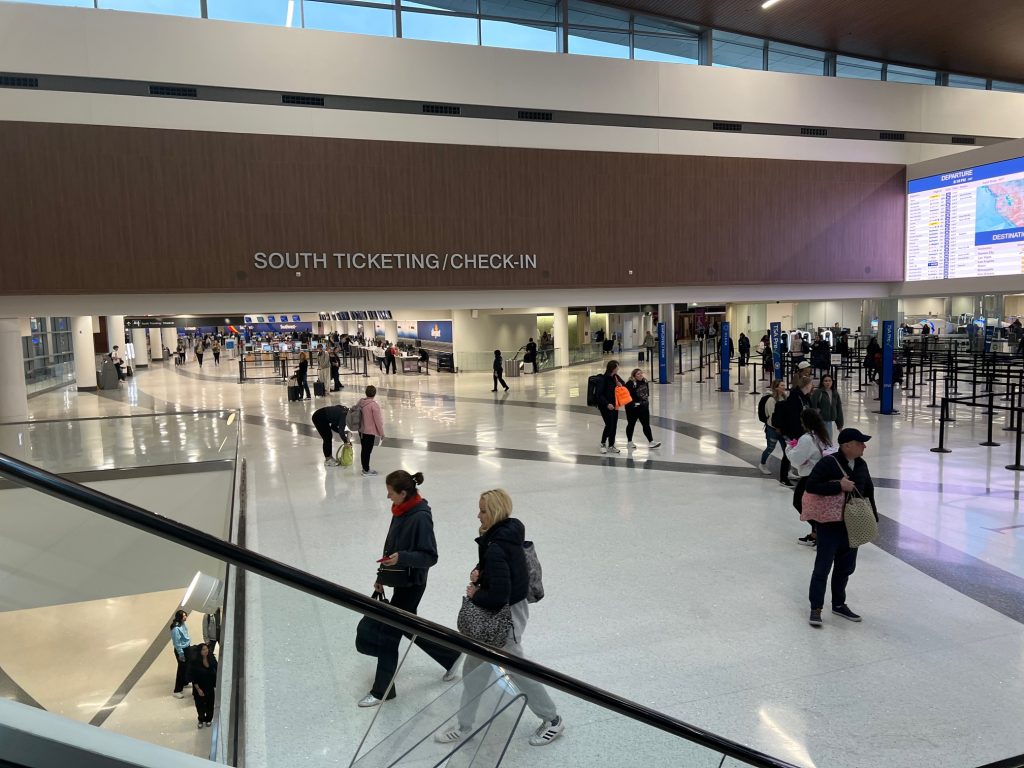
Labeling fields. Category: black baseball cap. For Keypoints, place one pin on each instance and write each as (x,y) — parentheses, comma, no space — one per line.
(850,435)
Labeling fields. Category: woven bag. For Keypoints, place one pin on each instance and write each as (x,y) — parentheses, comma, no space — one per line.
(859,517)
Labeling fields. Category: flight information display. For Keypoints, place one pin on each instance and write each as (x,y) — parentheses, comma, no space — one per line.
(967,223)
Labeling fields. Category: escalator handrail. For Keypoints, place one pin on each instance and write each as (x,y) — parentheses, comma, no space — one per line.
(53,485)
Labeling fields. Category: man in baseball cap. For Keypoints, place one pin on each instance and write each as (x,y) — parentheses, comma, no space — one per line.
(851,435)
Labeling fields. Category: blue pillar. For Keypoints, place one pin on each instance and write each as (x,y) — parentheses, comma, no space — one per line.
(888,350)
(777,348)
(724,358)
(662,354)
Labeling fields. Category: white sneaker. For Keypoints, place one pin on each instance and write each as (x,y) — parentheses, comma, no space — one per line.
(764,469)
(452,674)
(603,449)
(548,731)
(178,695)
(655,444)
(450,736)
(631,444)
(329,462)
(369,700)
(613,449)
(369,472)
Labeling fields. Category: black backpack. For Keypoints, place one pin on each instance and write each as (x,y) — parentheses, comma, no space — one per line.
(594,385)
(762,415)
(780,415)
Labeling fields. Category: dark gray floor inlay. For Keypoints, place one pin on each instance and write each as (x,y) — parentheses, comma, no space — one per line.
(11,691)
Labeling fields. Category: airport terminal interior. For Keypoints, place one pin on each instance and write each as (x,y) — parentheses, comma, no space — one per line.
(235,226)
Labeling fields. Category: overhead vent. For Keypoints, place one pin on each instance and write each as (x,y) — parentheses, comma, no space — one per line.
(174,91)
(542,116)
(297,100)
(891,136)
(442,109)
(822,132)
(963,140)
(9,81)
(727,126)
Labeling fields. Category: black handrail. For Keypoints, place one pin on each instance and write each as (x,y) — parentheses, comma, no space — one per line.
(130,514)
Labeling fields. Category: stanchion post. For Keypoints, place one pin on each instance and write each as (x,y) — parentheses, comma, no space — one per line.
(753,377)
(933,404)
(241,369)
(942,429)
(991,415)
(1017,466)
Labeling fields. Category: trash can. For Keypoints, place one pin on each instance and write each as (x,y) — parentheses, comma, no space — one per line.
(511,368)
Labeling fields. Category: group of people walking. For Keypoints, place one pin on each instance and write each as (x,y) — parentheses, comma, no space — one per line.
(498,579)
(613,394)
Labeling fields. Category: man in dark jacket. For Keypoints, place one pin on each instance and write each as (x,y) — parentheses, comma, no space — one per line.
(834,475)
(499,373)
(606,406)
(327,421)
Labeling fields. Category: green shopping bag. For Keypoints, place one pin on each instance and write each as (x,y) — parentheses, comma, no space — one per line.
(345,455)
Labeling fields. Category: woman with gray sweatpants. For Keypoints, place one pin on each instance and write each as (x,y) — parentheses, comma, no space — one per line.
(501,578)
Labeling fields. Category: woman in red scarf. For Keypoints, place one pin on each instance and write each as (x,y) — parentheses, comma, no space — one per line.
(409,551)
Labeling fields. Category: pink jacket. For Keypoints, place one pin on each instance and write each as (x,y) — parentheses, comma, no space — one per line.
(372,421)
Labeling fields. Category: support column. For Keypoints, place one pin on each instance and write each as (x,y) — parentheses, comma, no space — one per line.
(141,351)
(115,333)
(170,338)
(85,353)
(667,315)
(561,333)
(13,392)
(156,341)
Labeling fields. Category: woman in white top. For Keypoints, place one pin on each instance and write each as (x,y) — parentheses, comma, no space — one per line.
(812,445)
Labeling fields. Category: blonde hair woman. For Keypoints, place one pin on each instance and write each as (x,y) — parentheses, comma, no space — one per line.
(300,375)
(501,578)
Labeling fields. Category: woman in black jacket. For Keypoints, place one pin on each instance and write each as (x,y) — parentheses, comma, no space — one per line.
(300,375)
(203,673)
(835,476)
(501,578)
(498,372)
(786,419)
(607,407)
(409,545)
(638,409)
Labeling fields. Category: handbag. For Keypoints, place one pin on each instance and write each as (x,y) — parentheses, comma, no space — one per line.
(371,634)
(622,396)
(859,517)
(535,572)
(394,576)
(482,625)
(345,455)
(821,509)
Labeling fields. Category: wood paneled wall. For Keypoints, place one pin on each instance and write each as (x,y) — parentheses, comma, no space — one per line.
(105,209)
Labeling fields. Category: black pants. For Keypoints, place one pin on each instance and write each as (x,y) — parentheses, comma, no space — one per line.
(204,704)
(498,379)
(367,442)
(744,357)
(324,428)
(641,413)
(390,366)
(303,384)
(611,422)
(784,468)
(216,358)
(408,599)
(334,378)
(181,675)
(200,359)
(834,554)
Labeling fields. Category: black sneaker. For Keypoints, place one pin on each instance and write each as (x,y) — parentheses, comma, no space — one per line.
(807,541)
(844,611)
(786,483)
(815,618)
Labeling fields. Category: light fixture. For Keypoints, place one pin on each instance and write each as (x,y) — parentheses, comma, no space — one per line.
(204,594)
(768,3)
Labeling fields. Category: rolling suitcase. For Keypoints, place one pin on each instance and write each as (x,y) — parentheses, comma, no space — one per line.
(294,393)
(319,390)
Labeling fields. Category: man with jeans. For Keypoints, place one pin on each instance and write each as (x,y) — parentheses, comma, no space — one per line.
(831,479)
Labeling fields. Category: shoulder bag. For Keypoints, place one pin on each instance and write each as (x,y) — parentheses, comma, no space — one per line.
(536,574)
(482,625)
(371,634)
(394,576)
(859,517)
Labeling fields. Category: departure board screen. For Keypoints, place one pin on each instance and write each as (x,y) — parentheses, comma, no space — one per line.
(967,223)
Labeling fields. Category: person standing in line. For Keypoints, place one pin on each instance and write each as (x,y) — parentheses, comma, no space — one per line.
(328,420)
(835,476)
(814,443)
(713,338)
(180,641)
(776,393)
(203,673)
(638,409)
(744,346)
(501,578)
(607,406)
(786,419)
(371,428)
(118,361)
(215,349)
(323,367)
(199,352)
(335,369)
(649,344)
(410,544)
(767,359)
(301,376)
(826,399)
(872,358)
(499,377)
(211,629)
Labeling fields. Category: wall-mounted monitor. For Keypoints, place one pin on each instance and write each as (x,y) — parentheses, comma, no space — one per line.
(966,223)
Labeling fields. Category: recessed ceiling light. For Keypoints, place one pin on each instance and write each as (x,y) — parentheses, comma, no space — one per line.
(768,3)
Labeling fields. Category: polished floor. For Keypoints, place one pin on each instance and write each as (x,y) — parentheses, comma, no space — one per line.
(673,575)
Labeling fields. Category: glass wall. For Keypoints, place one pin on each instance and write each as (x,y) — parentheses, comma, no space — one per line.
(562,26)
(48,353)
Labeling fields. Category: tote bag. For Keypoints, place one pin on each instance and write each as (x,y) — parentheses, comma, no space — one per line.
(859,517)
